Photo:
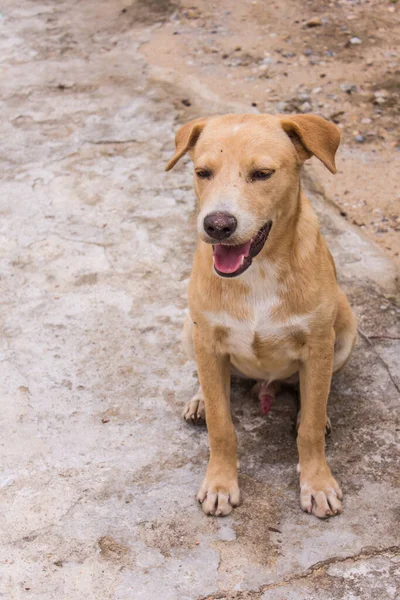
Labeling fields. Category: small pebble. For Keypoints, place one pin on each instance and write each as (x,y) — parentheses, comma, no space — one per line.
(314,22)
(267,61)
(355,40)
(65,85)
(305,107)
(349,88)
(307,52)
(381,93)
(360,139)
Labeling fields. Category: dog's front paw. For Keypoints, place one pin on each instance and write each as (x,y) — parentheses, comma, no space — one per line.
(320,495)
(218,495)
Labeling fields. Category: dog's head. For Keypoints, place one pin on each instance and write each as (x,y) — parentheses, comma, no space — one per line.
(247,177)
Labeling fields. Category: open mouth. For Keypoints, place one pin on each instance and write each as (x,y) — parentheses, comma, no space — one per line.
(230,261)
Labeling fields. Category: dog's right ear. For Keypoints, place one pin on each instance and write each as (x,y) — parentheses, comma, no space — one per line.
(313,135)
(186,138)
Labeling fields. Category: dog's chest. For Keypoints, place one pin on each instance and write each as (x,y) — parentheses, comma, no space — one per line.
(264,340)
(260,325)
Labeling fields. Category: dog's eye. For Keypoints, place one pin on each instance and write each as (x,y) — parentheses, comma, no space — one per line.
(260,175)
(204,173)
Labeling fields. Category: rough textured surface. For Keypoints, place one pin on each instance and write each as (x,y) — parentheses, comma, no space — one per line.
(99,470)
(264,55)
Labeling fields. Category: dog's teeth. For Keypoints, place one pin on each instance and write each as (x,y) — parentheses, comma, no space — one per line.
(242,260)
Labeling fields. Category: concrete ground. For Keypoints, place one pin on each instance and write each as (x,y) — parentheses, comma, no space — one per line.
(99,472)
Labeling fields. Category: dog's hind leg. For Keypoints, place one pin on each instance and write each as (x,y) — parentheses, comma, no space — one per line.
(187,338)
(345,331)
(194,411)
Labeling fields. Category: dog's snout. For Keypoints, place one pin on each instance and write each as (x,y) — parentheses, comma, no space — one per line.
(220,225)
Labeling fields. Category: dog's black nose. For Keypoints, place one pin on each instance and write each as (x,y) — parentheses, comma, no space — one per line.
(220,225)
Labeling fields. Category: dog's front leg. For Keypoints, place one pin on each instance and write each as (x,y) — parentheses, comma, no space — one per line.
(319,492)
(219,491)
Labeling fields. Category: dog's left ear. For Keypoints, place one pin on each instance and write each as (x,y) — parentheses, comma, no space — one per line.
(312,135)
(186,138)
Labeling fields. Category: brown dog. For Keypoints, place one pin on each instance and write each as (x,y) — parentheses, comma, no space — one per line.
(263,294)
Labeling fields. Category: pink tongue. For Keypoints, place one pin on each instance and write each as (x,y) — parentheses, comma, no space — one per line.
(228,259)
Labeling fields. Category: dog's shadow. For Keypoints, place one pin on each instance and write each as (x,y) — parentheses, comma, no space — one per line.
(264,440)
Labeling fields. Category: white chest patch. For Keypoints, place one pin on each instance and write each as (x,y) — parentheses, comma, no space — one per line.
(263,299)
(240,338)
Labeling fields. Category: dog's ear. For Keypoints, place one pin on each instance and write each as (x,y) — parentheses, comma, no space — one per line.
(312,135)
(185,139)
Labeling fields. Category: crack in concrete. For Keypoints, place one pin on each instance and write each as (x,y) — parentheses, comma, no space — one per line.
(104,142)
(93,143)
(58,160)
(368,340)
(383,337)
(322,565)
(66,239)
(36,242)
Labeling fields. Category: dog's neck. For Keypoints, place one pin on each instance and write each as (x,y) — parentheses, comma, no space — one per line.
(293,232)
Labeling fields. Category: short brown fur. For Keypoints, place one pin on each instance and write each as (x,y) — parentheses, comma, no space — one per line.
(285,317)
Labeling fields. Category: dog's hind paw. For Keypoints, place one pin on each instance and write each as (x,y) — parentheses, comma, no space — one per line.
(195,410)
